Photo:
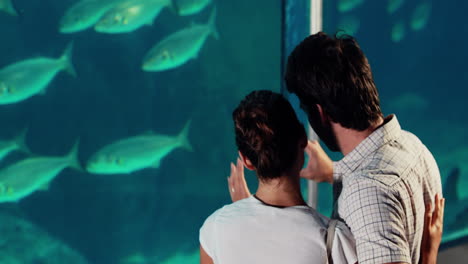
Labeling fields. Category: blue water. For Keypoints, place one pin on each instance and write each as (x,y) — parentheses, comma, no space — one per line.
(158,212)
(422,79)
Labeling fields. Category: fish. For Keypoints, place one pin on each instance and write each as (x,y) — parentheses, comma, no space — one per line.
(7,7)
(394,5)
(348,5)
(190,7)
(179,47)
(17,143)
(29,77)
(27,176)
(84,14)
(420,16)
(130,15)
(398,31)
(456,207)
(138,152)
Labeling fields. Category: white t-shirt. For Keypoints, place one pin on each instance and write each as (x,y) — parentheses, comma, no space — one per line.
(251,232)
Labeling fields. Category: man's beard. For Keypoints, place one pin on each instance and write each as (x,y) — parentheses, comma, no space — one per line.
(324,131)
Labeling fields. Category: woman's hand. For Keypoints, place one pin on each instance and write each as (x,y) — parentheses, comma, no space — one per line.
(433,228)
(236,182)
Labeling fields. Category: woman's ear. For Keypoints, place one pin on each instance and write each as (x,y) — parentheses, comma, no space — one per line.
(247,163)
(323,115)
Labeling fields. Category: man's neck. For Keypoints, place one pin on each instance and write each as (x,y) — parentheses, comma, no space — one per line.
(284,192)
(349,139)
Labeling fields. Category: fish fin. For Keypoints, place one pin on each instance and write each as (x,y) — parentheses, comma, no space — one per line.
(7,7)
(73,157)
(44,187)
(20,141)
(183,137)
(450,186)
(156,164)
(67,60)
(212,24)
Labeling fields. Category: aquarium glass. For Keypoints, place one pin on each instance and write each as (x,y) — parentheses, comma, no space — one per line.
(90,85)
(417,51)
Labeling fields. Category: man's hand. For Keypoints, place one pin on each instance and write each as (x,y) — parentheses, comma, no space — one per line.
(237,186)
(320,166)
(433,228)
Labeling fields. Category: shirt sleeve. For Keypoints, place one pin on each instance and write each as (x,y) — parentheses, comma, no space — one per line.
(207,235)
(344,245)
(376,218)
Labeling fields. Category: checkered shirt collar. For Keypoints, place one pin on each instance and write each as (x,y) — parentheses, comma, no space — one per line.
(388,132)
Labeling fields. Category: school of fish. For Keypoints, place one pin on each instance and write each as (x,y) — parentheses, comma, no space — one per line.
(27,77)
(30,76)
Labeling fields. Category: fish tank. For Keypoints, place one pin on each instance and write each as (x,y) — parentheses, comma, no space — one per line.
(116,136)
(417,53)
(116,131)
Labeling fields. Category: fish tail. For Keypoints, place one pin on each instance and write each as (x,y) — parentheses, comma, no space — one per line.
(183,137)
(20,141)
(66,58)
(7,6)
(212,24)
(72,157)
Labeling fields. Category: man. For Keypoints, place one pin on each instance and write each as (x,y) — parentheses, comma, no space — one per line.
(387,175)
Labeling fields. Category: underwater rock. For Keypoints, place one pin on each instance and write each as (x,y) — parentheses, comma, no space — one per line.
(22,242)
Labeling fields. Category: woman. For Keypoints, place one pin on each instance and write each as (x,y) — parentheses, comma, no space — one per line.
(274,225)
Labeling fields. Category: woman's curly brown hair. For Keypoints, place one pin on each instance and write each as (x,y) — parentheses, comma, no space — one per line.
(268,133)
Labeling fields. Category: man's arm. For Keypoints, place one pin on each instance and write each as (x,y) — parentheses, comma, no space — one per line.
(376,218)
(432,233)
(204,257)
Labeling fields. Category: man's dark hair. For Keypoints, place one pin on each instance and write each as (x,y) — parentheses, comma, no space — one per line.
(268,133)
(335,74)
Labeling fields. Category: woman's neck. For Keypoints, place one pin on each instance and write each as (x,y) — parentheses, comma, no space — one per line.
(284,191)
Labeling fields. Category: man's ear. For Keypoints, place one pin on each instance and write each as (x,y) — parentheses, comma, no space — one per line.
(247,163)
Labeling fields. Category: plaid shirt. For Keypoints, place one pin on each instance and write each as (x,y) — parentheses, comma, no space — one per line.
(381,188)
